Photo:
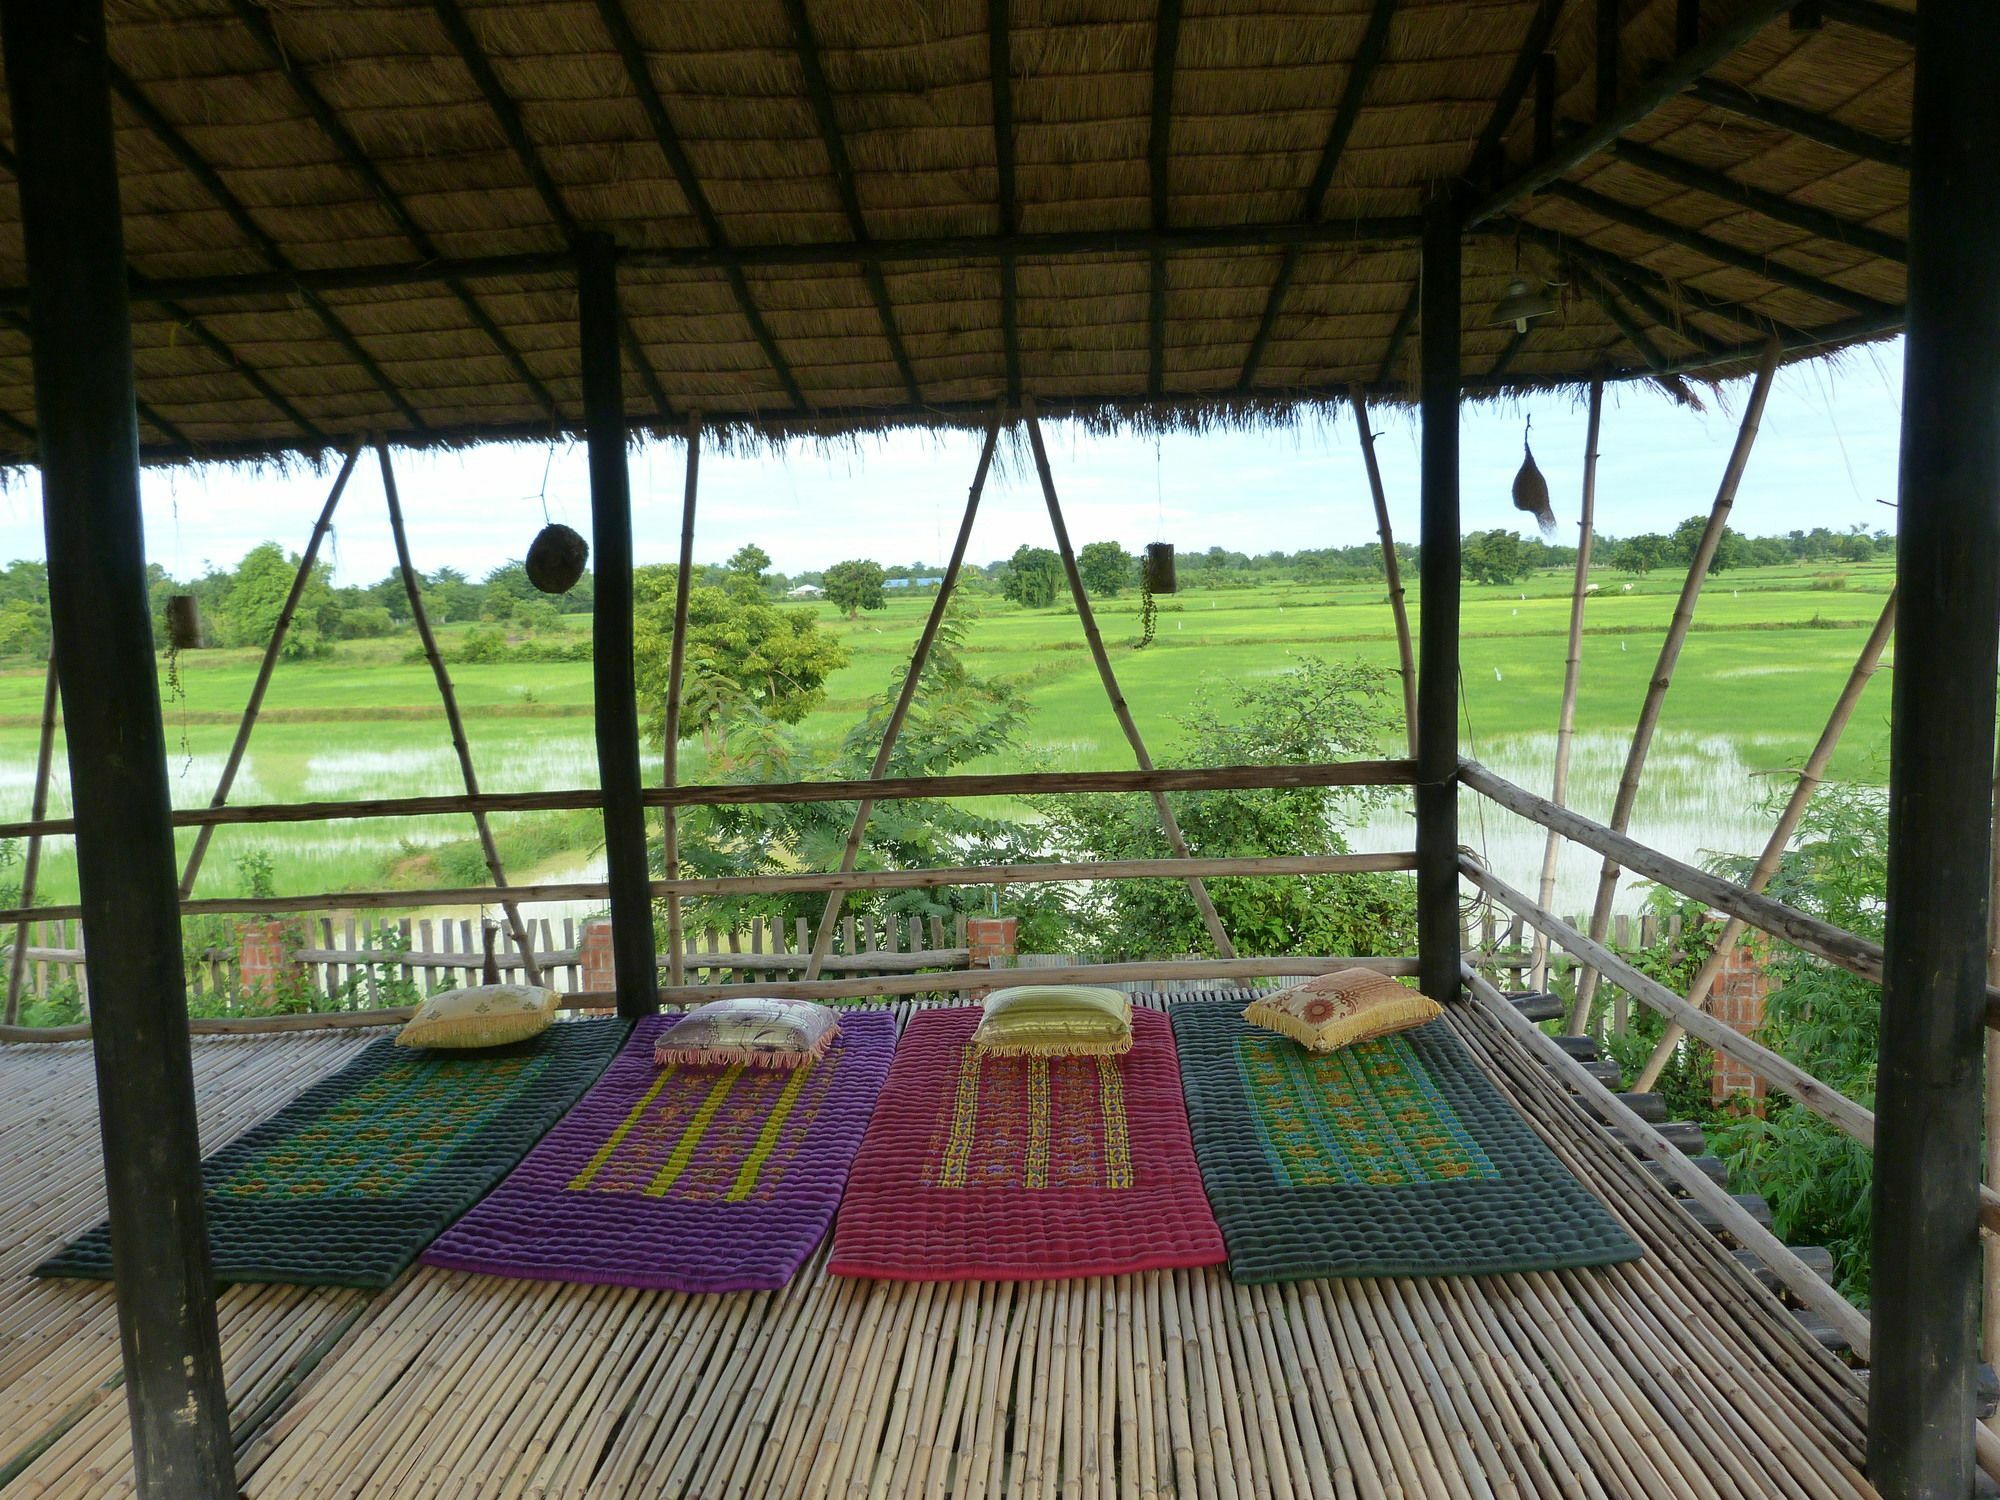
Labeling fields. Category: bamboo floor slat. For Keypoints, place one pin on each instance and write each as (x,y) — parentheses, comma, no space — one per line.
(1675,1376)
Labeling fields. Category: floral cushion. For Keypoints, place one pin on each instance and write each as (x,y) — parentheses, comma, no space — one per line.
(755,1033)
(1055,1020)
(1338,1009)
(486,1015)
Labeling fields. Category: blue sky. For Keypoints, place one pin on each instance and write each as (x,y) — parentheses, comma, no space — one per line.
(1826,456)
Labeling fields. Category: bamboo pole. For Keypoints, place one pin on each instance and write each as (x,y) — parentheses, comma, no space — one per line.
(1781,836)
(1572,669)
(850,851)
(414,590)
(17,963)
(1168,824)
(1391,571)
(670,754)
(1663,672)
(1989,1323)
(272,647)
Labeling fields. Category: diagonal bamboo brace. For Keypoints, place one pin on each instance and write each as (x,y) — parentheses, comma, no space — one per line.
(17,963)
(823,939)
(670,830)
(1168,823)
(515,926)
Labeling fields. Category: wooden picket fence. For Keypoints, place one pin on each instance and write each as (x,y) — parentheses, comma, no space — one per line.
(1504,951)
(358,962)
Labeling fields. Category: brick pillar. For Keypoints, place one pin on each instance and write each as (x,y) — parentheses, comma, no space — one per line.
(1738,999)
(991,941)
(594,955)
(264,960)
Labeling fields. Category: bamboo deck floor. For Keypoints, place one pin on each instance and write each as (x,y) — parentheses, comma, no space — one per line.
(1676,1376)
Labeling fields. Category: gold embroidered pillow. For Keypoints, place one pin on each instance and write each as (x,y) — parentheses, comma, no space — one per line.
(487,1015)
(1339,1009)
(755,1033)
(1055,1020)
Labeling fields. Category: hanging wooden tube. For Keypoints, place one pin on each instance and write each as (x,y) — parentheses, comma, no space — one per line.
(850,851)
(1405,653)
(411,586)
(1169,825)
(17,964)
(1572,672)
(1663,671)
(1810,776)
(670,755)
(234,761)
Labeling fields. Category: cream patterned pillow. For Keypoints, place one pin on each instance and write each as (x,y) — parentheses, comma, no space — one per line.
(486,1015)
(1339,1009)
(753,1033)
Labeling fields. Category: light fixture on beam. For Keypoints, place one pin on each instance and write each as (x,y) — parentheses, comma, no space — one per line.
(1521,304)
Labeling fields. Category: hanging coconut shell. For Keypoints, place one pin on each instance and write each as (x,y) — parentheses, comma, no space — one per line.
(1159,568)
(184,623)
(556,558)
(1531,492)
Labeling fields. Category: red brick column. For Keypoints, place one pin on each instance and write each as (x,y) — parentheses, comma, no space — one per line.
(594,955)
(992,941)
(264,962)
(1738,999)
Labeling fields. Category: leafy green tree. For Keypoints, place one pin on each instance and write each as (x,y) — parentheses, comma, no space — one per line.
(1317,711)
(1034,577)
(24,629)
(1106,568)
(855,585)
(1496,556)
(747,658)
(747,566)
(256,597)
(1641,554)
(448,595)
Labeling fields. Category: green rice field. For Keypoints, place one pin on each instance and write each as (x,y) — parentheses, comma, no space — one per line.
(1769,652)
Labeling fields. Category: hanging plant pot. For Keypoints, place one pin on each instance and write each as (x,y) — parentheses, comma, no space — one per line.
(1159,569)
(184,623)
(556,558)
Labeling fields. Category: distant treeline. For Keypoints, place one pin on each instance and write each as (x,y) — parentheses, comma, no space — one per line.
(239,605)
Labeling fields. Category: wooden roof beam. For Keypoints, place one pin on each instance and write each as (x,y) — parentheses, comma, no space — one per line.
(1675,76)
(1720,251)
(655,109)
(1814,221)
(257,21)
(1800,122)
(1871,15)
(1373,41)
(507,115)
(1405,321)
(1505,358)
(1166,48)
(197,166)
(806,46)
(147,414)
(1489,152)
(1000,64)
(1606,298)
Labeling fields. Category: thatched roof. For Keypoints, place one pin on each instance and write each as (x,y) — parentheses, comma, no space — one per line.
(842,213)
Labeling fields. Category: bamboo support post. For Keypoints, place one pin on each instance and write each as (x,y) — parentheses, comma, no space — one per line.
(414,589)
(234,761)
(1670,651)
(1572,669)
(1405,653)
(670,754)
(1810,776)
(850,851)
(17,962)
(1168,824)
(1989,1323)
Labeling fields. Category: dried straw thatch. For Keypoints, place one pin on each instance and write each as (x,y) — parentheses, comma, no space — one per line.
(766,165)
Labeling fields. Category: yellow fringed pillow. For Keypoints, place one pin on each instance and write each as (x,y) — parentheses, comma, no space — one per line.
(486,1015)
(1055,1020)
(1339,1009)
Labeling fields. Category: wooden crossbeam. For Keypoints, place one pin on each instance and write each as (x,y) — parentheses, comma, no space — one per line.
(507,115)
(198,167)
(1373,41)
(1166,45)
(1720,251)
(1606,298)
(661,123)
(820,93)
(1506,357)
(257,21)
(1676,75)
(1800,122)
(1614,275)
(1489,152)
(1773,206)
(1000,64)
(1871,15)
(1405,321)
